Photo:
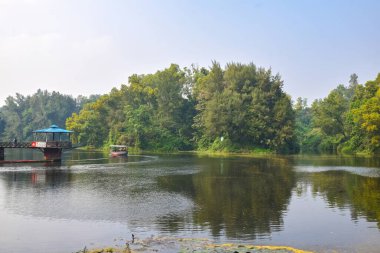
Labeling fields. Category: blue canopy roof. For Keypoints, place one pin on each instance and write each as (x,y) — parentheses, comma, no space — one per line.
(53,129)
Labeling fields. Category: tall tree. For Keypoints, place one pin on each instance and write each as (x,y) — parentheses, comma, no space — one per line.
(246,106)
(365,113)
(330,116)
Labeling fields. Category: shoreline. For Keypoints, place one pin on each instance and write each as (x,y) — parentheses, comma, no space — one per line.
(241,153)
(189,245)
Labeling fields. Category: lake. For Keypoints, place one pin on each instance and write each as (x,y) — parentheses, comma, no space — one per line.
(317,203)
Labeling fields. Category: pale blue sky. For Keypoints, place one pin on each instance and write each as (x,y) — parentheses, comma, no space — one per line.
(90,46)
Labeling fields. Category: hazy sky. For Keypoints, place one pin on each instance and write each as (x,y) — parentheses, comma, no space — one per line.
(90,46)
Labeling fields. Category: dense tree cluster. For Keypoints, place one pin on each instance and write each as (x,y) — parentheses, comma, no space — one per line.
(152,112)
(243,107)
(22,114)
(347,120)
(238,107)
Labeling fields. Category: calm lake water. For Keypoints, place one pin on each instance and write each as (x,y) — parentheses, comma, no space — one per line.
(318,203)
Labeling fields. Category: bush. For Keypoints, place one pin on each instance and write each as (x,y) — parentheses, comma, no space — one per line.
(224,145)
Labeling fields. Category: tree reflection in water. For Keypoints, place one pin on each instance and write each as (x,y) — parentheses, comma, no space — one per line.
(241,199)
(346,190)
(233,198)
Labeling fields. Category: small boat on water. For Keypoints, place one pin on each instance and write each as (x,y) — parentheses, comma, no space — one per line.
(118,150)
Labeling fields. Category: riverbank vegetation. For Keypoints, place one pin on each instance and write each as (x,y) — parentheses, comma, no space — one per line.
(346,121)
(238,108)
(22,114)
(241,107)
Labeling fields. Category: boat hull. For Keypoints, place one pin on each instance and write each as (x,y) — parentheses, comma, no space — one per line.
(119,153)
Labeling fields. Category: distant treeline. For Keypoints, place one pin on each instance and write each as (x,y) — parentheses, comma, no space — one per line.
(236,108)
(346,121)
(22,114)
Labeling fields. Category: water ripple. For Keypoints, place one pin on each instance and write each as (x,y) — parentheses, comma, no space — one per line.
(361,171)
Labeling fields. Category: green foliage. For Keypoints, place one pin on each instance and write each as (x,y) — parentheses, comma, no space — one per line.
(176,109)
(21,115)
(89,124)
(151,113)
(330,113)
(223,145)
(365,114)
(302,124)
(312,141)
(232,109)
(347,120)
(326,126)
(245,105)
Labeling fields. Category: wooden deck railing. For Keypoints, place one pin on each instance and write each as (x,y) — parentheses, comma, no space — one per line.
(32,144)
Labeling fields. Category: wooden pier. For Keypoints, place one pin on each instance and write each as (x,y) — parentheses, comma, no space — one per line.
(52,144)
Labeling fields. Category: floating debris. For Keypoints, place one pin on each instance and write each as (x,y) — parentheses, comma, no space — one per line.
(191,245)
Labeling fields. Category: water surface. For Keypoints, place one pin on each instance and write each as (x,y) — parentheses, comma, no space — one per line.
(319,203)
